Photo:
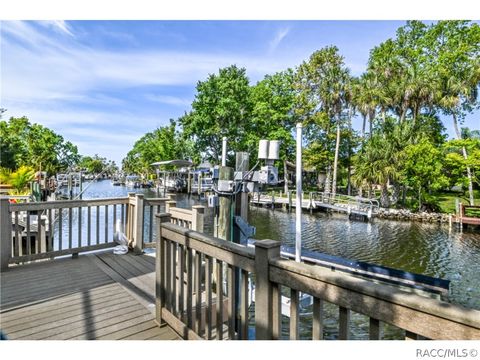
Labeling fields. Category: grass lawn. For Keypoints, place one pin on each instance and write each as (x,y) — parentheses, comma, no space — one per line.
(446,200)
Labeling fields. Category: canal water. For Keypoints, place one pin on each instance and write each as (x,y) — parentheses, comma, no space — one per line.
(428,249)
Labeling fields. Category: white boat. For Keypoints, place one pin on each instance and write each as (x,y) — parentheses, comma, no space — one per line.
(132,181)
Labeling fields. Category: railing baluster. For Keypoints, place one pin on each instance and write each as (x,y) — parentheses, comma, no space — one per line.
(114,222)
(244,306)
(50,231)
(38,238)
(375,331)
(122,215)
(173,274)
(231,302)
(70,230)
(317,326)
(181,283)
(79,244)
(150,233)
(198,293)
(89,226)
(18,241)
(219,293)
(344,323)
(106,224)
(60,229)
(276,312)
(189,287)
(29,240)
(208,295)
(97,214)
(294,334)
(168,273)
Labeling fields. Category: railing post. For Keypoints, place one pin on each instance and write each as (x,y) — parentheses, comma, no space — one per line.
(169,204)
(138,224)
(197,217)
(5,234)
(42,235)
(265,250)
(130,214)
(160,267)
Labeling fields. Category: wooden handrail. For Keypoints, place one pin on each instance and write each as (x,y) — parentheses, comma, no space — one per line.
(424,316)
(417,315)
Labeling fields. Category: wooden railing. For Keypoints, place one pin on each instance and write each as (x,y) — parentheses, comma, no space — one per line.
(199,299)
(39,230)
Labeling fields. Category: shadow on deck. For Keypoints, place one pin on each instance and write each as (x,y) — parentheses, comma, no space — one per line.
(96,296)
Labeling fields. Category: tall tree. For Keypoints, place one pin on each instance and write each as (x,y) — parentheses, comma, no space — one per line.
(424,168)
(221,108)
(324,81)
(273,101)
(26,144)
(454,50)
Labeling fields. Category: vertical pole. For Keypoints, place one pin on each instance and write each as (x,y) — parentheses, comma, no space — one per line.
(189,183)
(80,184)
(138,224)
(225,207)
(199,184)
(241,209)
(160,273)
(298,209)
(224,151)
(241,202)
(5,234)
(265,250)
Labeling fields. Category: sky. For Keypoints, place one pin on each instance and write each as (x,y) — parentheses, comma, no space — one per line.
(104,84)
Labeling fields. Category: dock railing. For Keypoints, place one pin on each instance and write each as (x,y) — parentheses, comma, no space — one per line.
(192,303)
(40,230)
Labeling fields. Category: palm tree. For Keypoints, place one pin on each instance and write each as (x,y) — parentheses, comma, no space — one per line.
(323,83)
(458,92)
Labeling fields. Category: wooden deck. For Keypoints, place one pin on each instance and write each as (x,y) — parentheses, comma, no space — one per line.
(96,296)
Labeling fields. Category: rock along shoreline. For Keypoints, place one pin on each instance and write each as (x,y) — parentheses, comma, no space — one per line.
(407,215)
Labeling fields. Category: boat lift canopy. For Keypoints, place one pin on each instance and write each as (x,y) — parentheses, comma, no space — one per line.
(179,163)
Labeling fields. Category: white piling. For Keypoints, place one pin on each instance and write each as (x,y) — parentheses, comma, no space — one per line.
(224,151)
(298,209)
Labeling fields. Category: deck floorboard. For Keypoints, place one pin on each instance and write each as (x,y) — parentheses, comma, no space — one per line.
(96,296)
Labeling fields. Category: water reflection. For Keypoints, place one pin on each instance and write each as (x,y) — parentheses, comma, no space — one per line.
(423,248)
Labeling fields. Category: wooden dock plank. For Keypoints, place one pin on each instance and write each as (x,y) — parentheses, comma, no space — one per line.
(64,310)
(104,297)
(117,335)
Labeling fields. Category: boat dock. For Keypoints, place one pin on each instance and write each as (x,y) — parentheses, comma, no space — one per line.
(100,296)
(64,291)
(353,206)
(463,219)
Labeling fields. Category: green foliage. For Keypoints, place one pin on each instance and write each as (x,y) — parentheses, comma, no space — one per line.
(273,101)
(19,180)
(97,165)
(25,144)
(456,164)
(221,108)
(423,168)
(159,145)
(422,72)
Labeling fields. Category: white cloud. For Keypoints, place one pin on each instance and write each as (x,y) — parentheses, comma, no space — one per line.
(279,36)
(170,100)
(57,25)
(49,70)
(52,79)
